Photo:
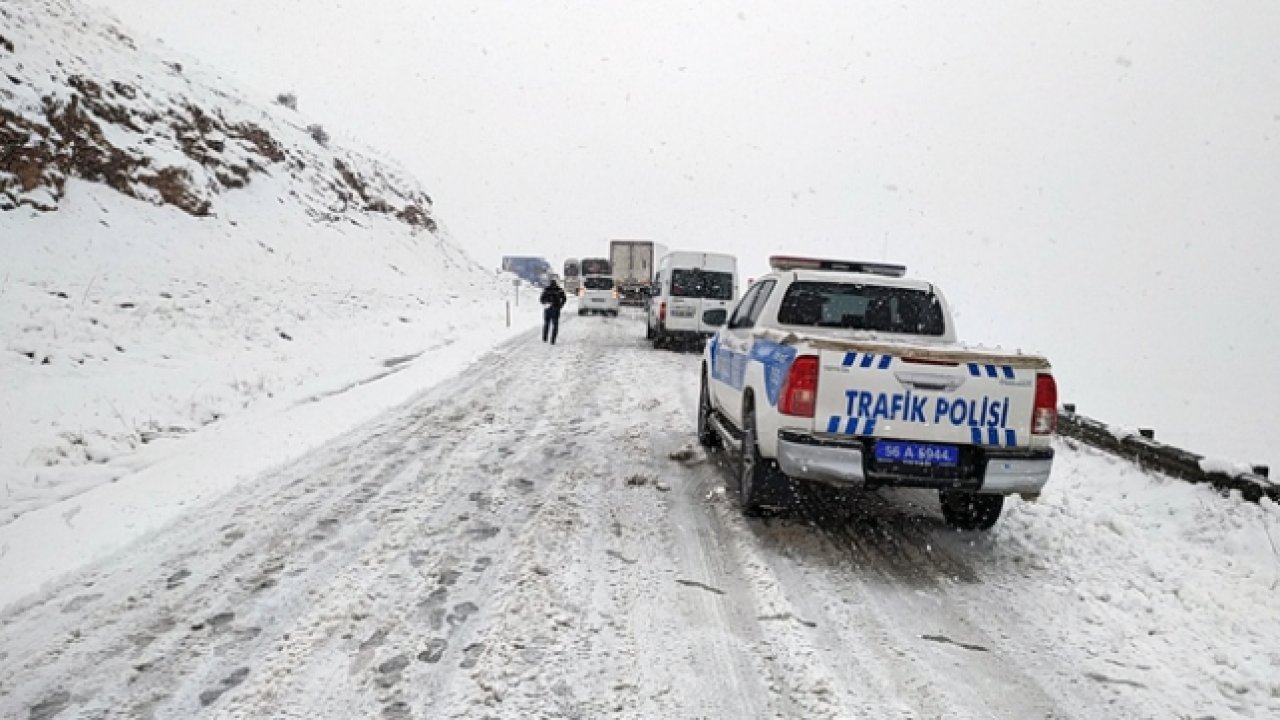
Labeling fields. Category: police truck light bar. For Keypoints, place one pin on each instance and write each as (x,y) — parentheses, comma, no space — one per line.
(791,262)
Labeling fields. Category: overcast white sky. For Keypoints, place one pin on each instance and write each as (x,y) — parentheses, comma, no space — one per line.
(1098,180)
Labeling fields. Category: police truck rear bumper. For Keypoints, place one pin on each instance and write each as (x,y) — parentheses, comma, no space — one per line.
(847,463)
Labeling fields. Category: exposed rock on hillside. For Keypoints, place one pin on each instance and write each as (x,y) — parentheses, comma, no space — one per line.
(81,99)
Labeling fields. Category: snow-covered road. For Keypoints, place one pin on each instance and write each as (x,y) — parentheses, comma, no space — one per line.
(541,537)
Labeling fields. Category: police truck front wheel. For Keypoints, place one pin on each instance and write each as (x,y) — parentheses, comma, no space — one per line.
(707,435)
(970,510)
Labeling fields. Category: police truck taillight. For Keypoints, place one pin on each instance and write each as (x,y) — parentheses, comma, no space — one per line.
(1044,416)
(800,389)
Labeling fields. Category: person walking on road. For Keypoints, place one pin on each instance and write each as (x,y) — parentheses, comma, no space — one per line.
(554,298)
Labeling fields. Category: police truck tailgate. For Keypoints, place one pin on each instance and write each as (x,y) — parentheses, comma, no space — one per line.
(931,400)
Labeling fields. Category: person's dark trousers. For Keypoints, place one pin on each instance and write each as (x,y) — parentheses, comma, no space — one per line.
(550,322)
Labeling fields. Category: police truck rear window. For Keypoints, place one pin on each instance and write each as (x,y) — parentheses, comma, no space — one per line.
(598,283)
(862,307)
(702,284)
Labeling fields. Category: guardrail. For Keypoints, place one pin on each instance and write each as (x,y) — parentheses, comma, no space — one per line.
(1141,448)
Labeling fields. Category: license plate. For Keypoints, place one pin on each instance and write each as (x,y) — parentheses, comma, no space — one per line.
(917,453)
(682,312)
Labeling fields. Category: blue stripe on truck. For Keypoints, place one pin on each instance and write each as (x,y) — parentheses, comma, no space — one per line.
(867,360)
(992,436)
(991,371)
(852,425)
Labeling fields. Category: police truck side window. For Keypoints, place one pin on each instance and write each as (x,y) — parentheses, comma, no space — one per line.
(766,288)
(739,318)
(751,305)
(862,307)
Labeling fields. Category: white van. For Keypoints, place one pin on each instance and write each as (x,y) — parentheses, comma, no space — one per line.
(598,295)
(691,295)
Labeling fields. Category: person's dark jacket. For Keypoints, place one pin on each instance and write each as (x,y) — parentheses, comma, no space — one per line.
(553,296)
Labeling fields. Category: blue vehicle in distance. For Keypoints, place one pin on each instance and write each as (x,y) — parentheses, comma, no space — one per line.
(531,269)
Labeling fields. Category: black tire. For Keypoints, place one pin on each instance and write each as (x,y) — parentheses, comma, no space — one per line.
(582,312)
(758,479)
(707,435)
(648,331)
(969,510)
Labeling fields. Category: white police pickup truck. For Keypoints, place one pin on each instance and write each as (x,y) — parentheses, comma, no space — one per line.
(850,374)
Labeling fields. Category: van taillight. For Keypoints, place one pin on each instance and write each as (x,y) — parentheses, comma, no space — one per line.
(662,312)
(1044,415)
(800,389)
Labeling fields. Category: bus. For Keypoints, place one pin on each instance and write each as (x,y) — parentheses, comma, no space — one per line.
(533,270)
(572,276)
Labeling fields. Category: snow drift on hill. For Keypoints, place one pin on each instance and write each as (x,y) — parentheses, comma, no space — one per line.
(175,254)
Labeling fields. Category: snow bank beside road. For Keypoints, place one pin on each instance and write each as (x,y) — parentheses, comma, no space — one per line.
(1143,581)
(149,359)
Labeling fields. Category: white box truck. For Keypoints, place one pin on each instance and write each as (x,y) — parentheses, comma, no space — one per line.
(633,267)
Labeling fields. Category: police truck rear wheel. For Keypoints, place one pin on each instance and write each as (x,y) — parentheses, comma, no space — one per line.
(969,510)
(758,478)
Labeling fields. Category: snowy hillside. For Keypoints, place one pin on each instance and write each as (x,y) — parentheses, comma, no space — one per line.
(85,100)
(176,254)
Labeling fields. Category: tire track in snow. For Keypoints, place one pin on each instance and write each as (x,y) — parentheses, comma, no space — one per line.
(294,524)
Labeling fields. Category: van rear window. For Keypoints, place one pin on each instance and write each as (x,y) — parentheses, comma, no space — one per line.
(862,307)
(598,283)
(696,283)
